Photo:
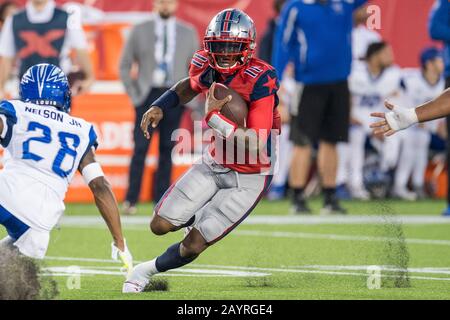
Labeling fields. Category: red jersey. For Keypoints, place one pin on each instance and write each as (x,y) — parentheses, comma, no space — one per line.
(257,83)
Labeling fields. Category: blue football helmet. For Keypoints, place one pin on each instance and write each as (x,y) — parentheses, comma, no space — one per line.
(46,84)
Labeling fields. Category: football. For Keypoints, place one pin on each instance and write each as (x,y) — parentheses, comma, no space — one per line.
(236,110)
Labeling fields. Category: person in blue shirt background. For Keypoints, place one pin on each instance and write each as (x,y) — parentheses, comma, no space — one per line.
(316,36)
(439,28)
(266,44)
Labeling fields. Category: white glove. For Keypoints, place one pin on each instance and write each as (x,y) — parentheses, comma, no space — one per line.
(401,118)
(125,256)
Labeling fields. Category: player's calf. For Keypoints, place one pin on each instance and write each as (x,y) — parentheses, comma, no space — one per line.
(193,244)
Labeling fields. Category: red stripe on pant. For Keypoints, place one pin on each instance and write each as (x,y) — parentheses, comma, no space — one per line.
(266,186)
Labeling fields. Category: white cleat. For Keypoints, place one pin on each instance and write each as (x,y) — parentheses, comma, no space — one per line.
(133,287)
(360,194)
(404,194)
(139,277)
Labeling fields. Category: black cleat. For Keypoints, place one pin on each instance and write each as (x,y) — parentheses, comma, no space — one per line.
(299,206)
(332,207)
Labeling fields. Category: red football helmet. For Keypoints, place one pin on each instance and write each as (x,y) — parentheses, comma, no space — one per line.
(230,40)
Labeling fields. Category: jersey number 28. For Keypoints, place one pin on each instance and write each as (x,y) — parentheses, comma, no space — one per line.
(46,138)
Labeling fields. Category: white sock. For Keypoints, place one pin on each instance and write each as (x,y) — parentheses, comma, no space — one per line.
(143,271)
(356,157)
(284,162)
(407,158)
(343,150)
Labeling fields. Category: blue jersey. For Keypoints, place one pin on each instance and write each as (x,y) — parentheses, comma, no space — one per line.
(317,39)
(440,28)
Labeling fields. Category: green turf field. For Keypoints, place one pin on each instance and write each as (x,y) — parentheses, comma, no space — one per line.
(273,256)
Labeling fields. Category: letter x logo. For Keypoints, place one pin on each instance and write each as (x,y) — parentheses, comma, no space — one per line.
(40,44)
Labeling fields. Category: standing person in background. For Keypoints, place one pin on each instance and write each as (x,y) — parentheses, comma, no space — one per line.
(419,86)
(266,44)
(7,9)
(277,190)
(162,48)
(316,36)
(371,83)
(362,37)
(43,33)
(440,30)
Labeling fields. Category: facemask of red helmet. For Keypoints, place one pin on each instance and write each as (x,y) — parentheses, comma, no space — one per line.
(230,41)
(228,56)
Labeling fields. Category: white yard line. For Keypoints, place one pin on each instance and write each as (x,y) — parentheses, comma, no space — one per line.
(52,258)
(443,271)
(89,221)
(324,236)
(331,271)
(137,223)
(304,235)
(64,270)
(241,271)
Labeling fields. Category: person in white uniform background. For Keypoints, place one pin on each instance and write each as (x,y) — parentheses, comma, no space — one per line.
(44,33)
(419,86)
(371,82)
(362,37)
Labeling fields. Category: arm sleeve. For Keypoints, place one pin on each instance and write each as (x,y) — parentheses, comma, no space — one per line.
(7,44)
(93,143)
(439,26)
(285,38)
(9,118)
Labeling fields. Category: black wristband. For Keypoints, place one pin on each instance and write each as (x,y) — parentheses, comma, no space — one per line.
(169,99)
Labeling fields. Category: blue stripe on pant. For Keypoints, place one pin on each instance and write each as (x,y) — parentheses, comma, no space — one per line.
(15,227)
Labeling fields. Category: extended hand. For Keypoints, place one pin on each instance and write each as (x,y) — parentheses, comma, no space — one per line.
(124,255)
(212,103)
(152,117)
(395,120)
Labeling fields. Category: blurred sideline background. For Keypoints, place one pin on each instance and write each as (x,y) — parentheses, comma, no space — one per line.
(107,24)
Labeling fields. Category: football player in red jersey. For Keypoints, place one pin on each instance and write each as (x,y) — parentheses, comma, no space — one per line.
(214,196)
